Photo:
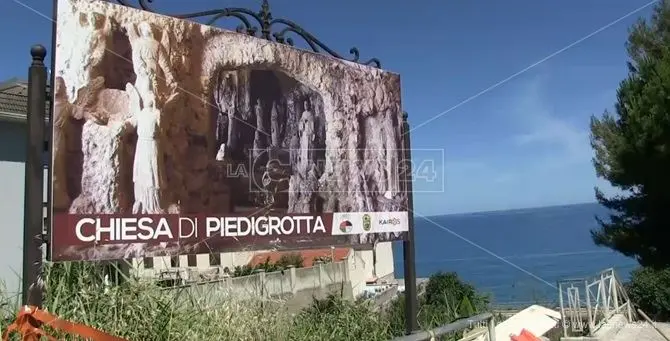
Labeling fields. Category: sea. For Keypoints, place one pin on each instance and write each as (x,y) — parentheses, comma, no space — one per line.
(514,256)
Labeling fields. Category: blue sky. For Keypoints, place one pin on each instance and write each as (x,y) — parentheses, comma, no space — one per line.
(522,144)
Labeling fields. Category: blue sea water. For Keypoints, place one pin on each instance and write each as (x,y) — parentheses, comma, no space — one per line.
(515,256)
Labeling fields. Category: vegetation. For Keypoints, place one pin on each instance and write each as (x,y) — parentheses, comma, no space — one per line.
(632,152)
(291,259)
(323,259)
(140,311)
(445,300)
(632,148)
(650,289)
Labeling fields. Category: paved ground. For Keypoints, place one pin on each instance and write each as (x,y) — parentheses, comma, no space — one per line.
(640,331)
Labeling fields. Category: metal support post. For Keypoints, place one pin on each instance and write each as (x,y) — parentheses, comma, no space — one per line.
(34,177)
(411,299)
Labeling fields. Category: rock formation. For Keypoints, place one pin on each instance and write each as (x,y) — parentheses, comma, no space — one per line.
(311,131)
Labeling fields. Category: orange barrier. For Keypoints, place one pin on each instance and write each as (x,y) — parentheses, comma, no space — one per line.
(525,336)
(30,319)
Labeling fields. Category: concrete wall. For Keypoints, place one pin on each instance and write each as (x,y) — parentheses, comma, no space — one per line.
(12,172)
(361,266)
(12,159)
(365,266)
(297,286)
(384,260)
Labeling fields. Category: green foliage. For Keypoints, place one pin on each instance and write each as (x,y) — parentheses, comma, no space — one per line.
(143,311)
(335,319)
(293,258)
(447,290)
(286,260)
(632,148)
(446,299)
(650,290)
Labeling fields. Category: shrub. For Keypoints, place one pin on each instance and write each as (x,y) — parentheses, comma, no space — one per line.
(293,258)
(446,299)
(335,319)
(649,288)
(286,260)
(143,311)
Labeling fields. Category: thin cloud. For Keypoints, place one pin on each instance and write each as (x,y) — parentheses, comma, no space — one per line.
(563,142)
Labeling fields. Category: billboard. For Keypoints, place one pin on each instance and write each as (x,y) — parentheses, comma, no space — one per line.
(172,137)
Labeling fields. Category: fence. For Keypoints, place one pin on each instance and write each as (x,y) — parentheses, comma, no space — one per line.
(594,300)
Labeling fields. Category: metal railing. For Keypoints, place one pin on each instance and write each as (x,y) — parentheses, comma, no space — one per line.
(588,303)
(457,326)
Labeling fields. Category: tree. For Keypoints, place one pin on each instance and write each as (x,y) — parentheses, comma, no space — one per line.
(632,148)
(447,290)
(650,290)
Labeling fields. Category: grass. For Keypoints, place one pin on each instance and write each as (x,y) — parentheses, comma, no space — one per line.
(143,311)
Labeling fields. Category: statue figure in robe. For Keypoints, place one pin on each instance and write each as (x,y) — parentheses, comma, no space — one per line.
(147,166)
(306,129)
(150,62)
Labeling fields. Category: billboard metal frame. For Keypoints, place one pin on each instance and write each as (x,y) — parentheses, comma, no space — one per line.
(258,24)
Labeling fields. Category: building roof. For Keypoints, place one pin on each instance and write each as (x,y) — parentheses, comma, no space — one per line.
(14,100)
(308,256)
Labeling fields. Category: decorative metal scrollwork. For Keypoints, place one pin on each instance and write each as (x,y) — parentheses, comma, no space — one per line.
(265,24)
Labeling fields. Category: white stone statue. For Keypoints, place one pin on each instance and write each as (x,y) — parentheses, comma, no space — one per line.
(275,126)
(147,168)
(221,153)
(94,43)
(150,61)
(261,134)
(306,128)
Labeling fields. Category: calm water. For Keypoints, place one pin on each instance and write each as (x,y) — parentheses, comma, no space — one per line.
(551,243)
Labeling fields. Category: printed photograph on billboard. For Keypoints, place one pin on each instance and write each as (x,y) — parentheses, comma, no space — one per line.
(171,137)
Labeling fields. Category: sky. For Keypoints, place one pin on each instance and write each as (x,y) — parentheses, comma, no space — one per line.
(499,93)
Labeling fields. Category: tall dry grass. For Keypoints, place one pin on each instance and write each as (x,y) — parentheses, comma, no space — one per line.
(145,312)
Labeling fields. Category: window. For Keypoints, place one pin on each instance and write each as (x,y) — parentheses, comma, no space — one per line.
(192,260)
(174,261)
(214,259)
(148,262)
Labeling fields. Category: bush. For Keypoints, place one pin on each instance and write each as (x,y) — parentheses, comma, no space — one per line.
(143,311)
(335,319)
(446,299)
(649,288)
(286,260)
(446,289)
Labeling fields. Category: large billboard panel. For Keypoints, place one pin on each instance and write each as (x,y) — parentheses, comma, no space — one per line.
(172,137)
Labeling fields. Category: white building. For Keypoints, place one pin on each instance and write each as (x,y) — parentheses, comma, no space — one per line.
(13,129)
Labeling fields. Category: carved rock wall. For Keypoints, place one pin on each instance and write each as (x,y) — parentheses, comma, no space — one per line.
(360,104)
(357,113)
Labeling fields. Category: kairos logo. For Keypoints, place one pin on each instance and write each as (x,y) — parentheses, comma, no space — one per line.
(389,221)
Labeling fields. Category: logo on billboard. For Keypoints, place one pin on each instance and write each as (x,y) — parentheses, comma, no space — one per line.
(346,226)
(389,221)
(367,222)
